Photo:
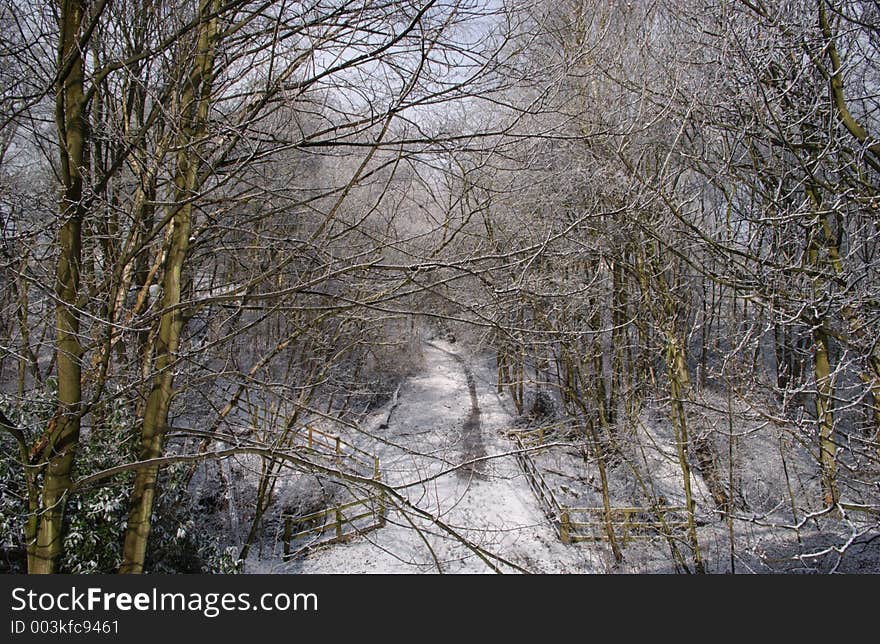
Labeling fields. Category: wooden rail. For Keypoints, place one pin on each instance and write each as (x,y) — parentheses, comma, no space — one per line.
(574,524)
(339,521)
(860,507)
(535,437)
(627,523)
(330,447)
(335,448)
(334,524)
(541,489)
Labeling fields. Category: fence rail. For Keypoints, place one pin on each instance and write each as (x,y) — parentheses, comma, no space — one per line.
(334,524)
(339,521)
(541,489)
(535,437)
(573,524)
(860,507)
(591,524)
(337,449)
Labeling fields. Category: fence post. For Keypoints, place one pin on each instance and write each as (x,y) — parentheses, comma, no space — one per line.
(564,526)
(338,523)
(627,526)
(288,532)
(377,476)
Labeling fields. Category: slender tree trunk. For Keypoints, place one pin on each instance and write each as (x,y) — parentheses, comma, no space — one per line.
(159,401)
(818,238)
(783,370)
(705,333)
(601,451)
(195,103)
(500,362)
(63,432)
(28,359)
(606,497)
(679,383)
(619,334)
(144,220)
(825,417)
(875,404)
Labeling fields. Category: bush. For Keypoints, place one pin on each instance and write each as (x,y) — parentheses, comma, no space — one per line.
(31,416)
(95,518)
(178,542)
(543,406)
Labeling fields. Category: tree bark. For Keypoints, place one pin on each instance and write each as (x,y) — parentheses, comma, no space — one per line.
(63,432)
(195,103)
(679,383)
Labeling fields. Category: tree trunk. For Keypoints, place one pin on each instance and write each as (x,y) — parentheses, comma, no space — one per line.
(825,418)
(679,383)
(195,103)
(63,431)
(821,237)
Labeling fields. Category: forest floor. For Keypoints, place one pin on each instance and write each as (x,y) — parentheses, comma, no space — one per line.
(444,449)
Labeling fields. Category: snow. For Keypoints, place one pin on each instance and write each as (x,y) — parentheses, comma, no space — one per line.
(489,506)
(466,507)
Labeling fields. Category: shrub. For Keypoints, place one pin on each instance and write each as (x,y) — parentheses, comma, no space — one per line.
(95,517)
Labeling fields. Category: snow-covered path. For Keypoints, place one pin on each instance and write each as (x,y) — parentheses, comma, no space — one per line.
(449,415)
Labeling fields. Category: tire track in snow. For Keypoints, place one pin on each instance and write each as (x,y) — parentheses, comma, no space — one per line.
(472,445)
(494,510)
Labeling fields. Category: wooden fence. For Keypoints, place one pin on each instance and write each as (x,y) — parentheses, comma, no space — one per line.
(541,489)
(341,521)
(341,453)
(335,524)
(591,524)
(575,524)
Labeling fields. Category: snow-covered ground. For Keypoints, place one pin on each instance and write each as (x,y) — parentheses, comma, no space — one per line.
(484,515)
(465,506)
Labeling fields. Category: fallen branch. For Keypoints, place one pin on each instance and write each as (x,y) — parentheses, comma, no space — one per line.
(394,403)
